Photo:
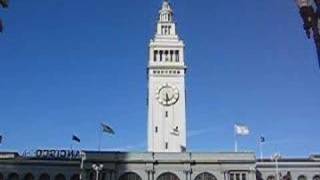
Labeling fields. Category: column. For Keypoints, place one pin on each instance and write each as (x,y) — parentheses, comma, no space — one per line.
(188,174)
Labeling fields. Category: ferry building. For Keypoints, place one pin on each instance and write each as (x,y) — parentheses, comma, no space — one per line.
(167,156)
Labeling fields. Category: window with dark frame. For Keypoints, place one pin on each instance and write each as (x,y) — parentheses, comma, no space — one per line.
(244,176)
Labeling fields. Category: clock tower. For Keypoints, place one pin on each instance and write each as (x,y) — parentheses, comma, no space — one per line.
(166,81)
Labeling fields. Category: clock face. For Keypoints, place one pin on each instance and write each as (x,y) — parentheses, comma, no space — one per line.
(167,95)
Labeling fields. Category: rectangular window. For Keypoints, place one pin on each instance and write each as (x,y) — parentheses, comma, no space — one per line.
(238,176)
(231,176)
(244,176)
(155,54)
(167,145)
(167,114)
(161,52)
(177,56)
(156,129)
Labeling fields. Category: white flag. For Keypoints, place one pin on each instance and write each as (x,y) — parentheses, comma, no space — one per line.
(241,130)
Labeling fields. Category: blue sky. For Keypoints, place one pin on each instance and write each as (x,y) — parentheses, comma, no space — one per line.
(66,66)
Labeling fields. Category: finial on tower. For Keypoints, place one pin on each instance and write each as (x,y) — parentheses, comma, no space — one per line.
(166,13)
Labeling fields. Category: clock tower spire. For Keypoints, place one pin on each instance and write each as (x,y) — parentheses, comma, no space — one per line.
(166,82)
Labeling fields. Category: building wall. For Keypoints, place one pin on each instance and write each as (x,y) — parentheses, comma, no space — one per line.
(22,167)
(150,166)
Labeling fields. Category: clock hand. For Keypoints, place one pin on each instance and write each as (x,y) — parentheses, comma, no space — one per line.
(167,97)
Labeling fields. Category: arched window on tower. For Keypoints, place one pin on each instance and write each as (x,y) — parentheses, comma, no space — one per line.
(161,52)
(171,55)
(155,54)
(166,55)
(177,56)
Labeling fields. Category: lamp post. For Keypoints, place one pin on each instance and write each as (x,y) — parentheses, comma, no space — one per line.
(310,14)
(97,168)
(276,157)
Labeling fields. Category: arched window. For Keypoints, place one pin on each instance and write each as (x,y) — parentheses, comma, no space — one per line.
(103,176)
(13,176)
(177,55)
(28,176)
(168,176)
(205,176)
(92,176)
(44,176)
(166,55)
(302,177)
(271,177)
(59,177)
(75,177)
(155,55)
(161,53)
(1,176)
(130,176)
(316,177)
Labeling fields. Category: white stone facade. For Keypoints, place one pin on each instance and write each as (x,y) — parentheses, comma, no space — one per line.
(166,97)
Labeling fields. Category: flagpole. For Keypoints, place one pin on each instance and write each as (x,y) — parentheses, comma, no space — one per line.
(261,152)
(235,141)
(99,143)
(235,146)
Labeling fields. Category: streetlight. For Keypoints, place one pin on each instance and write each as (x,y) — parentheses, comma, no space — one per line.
(275,158)
(97,168)
(310,14)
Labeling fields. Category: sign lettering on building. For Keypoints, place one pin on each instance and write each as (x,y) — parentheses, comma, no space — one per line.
(57,154)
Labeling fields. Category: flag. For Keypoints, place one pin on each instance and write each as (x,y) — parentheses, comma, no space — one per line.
(241,130)
(75,138)
(4,3)
(262,139)
(1,26)
(183,148)
(107,129)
